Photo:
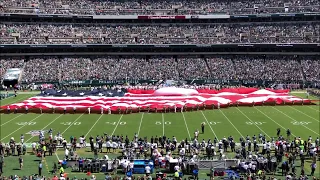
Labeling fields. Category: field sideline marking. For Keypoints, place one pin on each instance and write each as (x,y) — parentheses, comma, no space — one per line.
(272,119)
(162,124)
(295,120)
(46,164)
(209,124)
(22,126)
(114,130)
(253,122)
(93,125)
(11,120)
(313,109)
(45,126)
(231,124)
(304,114)
(140,124)
(185,122)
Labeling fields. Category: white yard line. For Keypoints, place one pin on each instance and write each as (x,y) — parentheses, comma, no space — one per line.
(185,122)
(21,127)
(16,100)
(209,124)
(11,120)
(117,125)
(305,114)
(140,124)
(272,120)
(72,124)
(295,120)
(57,155)
(46,126)
(162,124)
(66,131)
(313,108)
(93,125)
(232,124)
(253,122)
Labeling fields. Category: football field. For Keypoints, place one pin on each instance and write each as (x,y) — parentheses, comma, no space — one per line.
(303,121)
(239,122)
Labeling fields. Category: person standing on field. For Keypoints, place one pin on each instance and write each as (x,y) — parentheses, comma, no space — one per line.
(20,162)
(202,127)
(39,168)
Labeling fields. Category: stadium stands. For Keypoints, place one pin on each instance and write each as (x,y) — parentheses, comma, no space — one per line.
(283,68)
(95,7)
(8,63)
(157,34)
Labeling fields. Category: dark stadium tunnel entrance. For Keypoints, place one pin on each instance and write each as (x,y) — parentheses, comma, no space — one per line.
(10,83)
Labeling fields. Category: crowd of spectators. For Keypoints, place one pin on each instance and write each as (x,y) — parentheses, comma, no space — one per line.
(283,68)
(311,69)
(8,63)
(96,7)
(158,34)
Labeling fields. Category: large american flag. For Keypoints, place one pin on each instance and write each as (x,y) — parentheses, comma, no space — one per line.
(172,98)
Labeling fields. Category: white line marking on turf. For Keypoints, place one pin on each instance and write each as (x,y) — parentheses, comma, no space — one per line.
(162,124)
(209,124)
(57,155)
(22,126)
(117,125)
(45,126)
(185,122)
(93,125)
(231,123)
(16,100)
(253,122)
(272,119)
(295,120)
(72,123)
(11,120)
(66,131)
(305,114)
(140,124)
(313,109)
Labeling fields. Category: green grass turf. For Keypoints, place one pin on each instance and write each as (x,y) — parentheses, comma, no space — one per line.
(302,120)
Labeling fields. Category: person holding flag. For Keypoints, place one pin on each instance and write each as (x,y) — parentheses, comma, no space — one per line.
(27,109)
(8,109)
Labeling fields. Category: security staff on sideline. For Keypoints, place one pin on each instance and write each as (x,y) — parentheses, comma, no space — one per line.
(202,127)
